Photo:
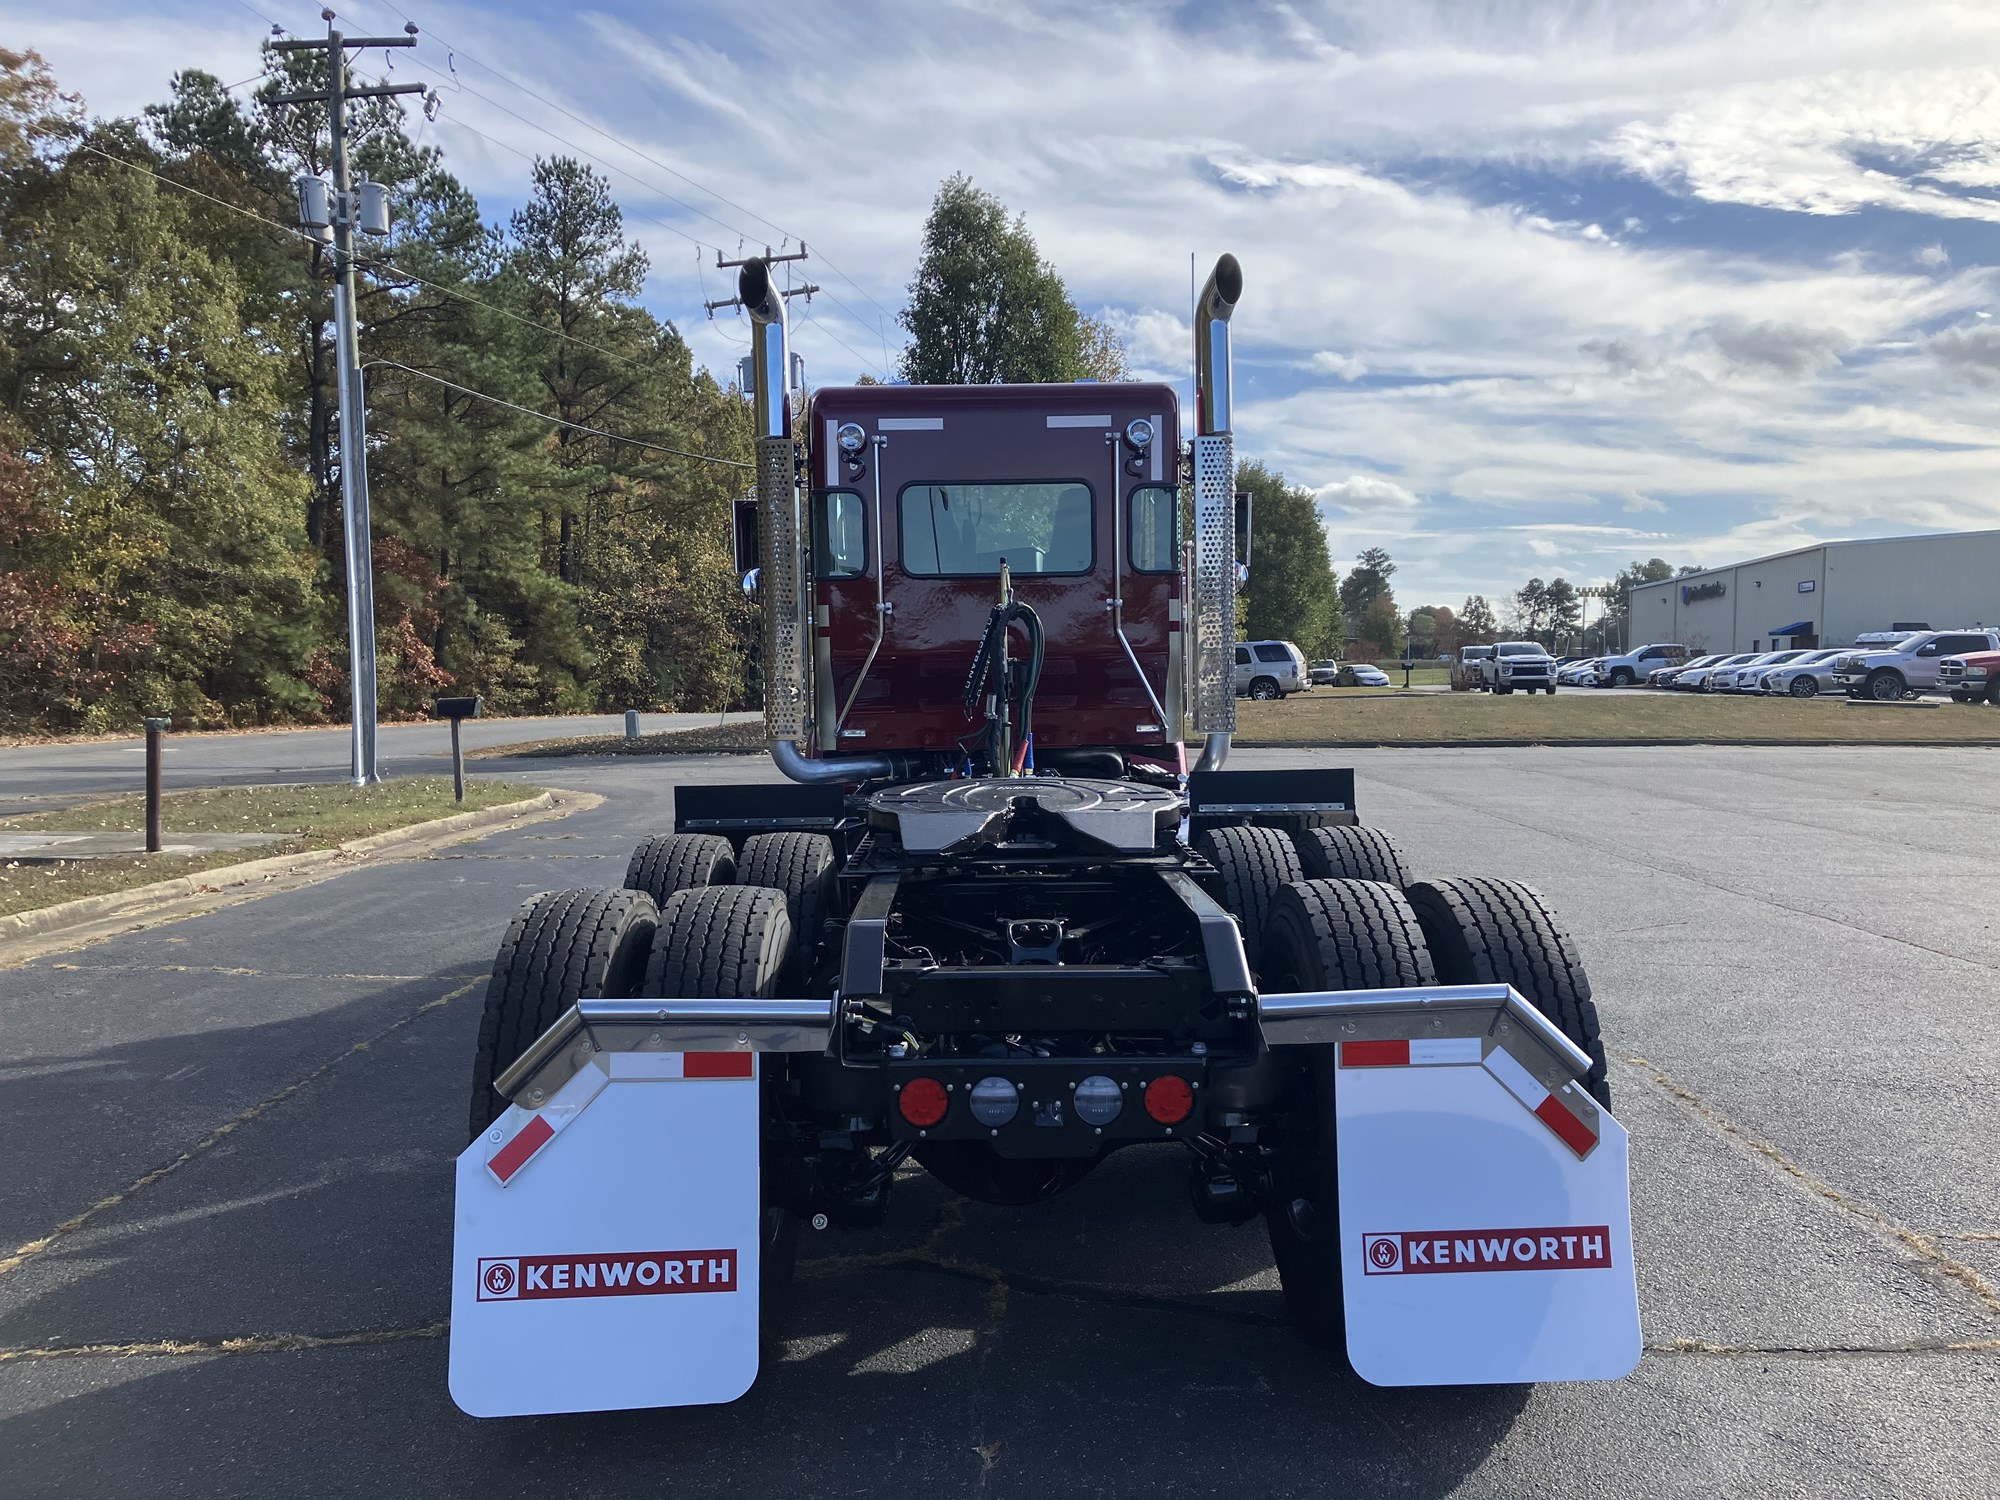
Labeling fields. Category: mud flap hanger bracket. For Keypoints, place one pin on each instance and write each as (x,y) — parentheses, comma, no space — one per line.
(1432,1011)
(593,1026)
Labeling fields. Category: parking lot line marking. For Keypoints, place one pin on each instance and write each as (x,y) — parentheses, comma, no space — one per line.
(1924,1246)
(241,973)
(22,1254)
(253,1343)
(1915,1346)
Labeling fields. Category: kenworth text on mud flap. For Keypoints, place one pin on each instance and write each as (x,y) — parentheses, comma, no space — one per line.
(997,925)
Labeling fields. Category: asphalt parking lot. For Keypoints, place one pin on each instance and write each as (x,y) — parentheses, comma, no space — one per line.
(230,1163)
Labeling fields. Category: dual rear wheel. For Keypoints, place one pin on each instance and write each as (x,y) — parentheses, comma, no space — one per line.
(1360,922)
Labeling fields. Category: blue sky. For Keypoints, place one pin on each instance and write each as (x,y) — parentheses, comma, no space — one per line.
(1532,287)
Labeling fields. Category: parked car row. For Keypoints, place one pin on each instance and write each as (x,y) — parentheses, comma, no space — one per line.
(1963,663)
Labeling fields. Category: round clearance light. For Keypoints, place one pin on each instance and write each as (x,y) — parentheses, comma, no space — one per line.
(923,1102)
(1139,433)
(994,1101)
(852,438)
(1098,1100)
(1169,1100)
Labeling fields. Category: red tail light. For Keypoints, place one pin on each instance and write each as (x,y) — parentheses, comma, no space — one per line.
(1169,1100)
(923,1102)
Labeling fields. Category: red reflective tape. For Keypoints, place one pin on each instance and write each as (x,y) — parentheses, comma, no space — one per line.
(1375,1054)
(514,1155)
(717,1065)
(1575,1134)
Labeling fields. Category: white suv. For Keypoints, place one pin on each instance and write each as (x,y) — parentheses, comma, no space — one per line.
(1637,666)
(1269,669)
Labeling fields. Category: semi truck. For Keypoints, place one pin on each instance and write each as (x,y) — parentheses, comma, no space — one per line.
(1008,909)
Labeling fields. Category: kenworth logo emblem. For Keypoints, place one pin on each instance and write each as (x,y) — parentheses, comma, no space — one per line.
(1690,592)
(530,1278)
(1572,1248)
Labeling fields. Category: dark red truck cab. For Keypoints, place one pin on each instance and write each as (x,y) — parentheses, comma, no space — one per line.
(1073,487)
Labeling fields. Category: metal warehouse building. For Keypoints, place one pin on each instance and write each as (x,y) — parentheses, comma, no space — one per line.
(1827,595)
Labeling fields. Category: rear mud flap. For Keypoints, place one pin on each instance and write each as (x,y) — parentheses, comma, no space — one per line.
(1485,1218)
(605,1253)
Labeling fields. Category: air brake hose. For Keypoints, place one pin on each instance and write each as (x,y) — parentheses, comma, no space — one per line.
(986,663)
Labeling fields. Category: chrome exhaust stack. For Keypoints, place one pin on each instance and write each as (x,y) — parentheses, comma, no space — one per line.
(1214,583)
(781,543)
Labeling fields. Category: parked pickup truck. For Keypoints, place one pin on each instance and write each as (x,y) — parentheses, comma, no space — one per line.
(1637,666)
(1465,671)
(1908,669)
(1518,664)
(1971,677)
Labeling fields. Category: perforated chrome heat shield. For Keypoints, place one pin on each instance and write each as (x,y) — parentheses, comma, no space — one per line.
(787,703)
(1214,623)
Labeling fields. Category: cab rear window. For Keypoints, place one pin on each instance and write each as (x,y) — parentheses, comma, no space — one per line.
(968,530)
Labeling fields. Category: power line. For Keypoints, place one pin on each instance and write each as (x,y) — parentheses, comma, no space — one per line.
(453,122)
(529,411)
(376,268)
(643,156)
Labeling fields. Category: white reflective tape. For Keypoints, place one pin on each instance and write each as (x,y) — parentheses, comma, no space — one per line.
(652,1065)
(1079,421)
(910,424)
(557,1114)
(1516,1079)
(1444,1049)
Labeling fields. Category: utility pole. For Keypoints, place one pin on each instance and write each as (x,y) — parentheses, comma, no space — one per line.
(369,211)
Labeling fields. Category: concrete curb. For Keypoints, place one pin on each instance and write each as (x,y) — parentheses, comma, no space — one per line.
(71,923)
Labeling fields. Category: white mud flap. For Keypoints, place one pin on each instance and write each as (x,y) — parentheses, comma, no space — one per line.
(1485,1214)
(605,1252)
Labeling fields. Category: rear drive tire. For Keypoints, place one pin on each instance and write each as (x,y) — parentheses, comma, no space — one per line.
(730,942)
(801,866)
(669,862)
(1326,935)
(563,946)
(1254,863)
(1502,932)
(1351,853)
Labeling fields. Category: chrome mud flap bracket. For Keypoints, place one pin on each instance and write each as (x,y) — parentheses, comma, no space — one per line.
(1485,1208)
(607,1226)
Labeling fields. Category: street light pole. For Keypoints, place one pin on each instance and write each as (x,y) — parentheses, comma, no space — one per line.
(341,215)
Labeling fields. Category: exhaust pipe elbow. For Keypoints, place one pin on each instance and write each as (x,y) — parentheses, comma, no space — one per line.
(1214,751)
(770,355)
(1212,308)
(787,757)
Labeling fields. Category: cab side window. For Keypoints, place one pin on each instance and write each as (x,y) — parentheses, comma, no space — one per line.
(839,535)
(1155,540)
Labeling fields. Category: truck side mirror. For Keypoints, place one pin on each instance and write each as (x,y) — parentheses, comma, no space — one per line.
(744,531)
(1243,499)
(745,535)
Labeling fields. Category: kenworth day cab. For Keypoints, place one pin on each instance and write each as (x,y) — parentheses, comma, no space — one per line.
(994,922)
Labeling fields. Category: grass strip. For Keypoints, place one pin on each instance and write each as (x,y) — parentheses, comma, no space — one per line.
(306,817)
(1581,716)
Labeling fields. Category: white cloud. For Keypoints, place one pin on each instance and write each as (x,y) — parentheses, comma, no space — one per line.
(1346,366)
(1933,256)
(1636,503)
(1359,493)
